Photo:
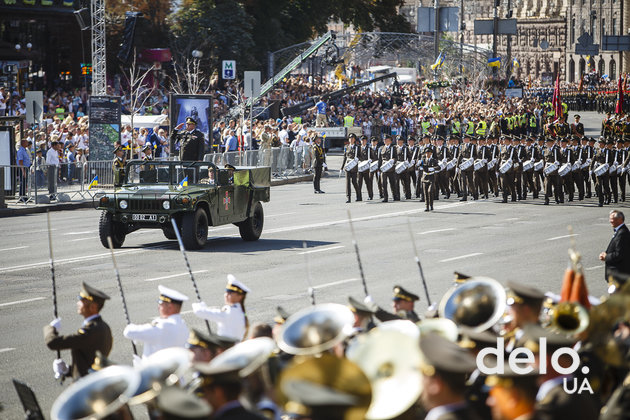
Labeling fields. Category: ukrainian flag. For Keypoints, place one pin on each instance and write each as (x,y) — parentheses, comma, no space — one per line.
(183,184)
(94,183)
(494,62)
(515,63)
(439,62)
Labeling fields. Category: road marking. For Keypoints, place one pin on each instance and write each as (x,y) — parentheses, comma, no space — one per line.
(563,236)
(594,267)
(17,302)
(6,349)
(436,231)
(79,259)
(281,214)
(334,283)
(361,219)
(321,249)
(461,257)
(511,219)
(80,233)
(11,249)
(82,239)
(176,275)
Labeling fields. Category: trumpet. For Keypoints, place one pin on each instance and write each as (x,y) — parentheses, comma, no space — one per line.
(568,318)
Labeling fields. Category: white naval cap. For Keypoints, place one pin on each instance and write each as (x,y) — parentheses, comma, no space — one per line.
(234,285)
(170,295)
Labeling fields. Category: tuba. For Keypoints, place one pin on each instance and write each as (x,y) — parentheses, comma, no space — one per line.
(316,329)
(97,395)
(568,318)
(245,357)
(479,303)
(391,361)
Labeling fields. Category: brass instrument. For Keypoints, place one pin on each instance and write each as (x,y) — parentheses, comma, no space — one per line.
(479,303)
(391,361)
(316,329)
(97,395)
(568,318)
(246,356)
(442,326)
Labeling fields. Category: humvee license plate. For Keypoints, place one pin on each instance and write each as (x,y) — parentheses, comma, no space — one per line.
(144,217)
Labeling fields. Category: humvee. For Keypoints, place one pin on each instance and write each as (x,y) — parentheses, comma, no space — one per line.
(195,194)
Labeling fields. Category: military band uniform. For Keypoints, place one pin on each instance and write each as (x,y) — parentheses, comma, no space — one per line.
(568,156)
(507,179)
(351,152)
(318,164)
(624,158)
(602,186)
(429,166)
(589,153)
(533,154)
(366,153)
(578,176)
(441,178)
(613,177)
(481,176)
(374,150)
(552,181)
(468,186)
(413,176)
(388,178)
(403,178)
(495,153)
(453,174)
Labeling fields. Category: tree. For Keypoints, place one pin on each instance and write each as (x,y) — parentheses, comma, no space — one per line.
(138,92)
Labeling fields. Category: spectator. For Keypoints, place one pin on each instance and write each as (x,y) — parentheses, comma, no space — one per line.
(52,162)
(24,164)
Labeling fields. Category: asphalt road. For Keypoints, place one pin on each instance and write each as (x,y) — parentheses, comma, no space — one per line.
(525,242)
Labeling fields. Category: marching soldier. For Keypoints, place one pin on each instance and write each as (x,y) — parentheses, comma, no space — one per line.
(468,186)
(524,306)
(388,153)
(518,166)
(453,175)
(318,164)
(577,128)
(191,141)
(568,156)
(533,154)
(624,152)
(362,315)
(403,178)
(481,175)
(509,153)
(552,155)
(351,155)
(168,330)
(589,155)
(578,176)
(495,154)
(374,151)
(602,187)
(428,166)
(366,154)
(414,157)
(512,395)
(403,303)
(94,335)
(441,178)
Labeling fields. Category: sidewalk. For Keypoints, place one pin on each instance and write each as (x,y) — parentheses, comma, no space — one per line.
(18,209)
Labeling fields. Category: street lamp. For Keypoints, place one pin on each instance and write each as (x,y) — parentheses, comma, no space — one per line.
(197,54)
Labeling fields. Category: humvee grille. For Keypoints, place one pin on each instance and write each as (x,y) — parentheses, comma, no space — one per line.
(145,204)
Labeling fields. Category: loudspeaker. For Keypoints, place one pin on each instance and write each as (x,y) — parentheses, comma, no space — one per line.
(126,46)
(84,18)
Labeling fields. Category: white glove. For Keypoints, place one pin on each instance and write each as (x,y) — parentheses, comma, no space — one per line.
(324,165)
(56,324)
(60,368)
(137,361)
(199,306)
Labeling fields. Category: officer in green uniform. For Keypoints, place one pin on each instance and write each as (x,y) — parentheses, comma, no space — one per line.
(118,165)
(429,165)
(552,154)
(403,303)
(318,164)
(191,141)
(351,152)
(94,335)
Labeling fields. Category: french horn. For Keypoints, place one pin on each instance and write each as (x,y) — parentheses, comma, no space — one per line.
(316,329)
(479,303)
(96,395)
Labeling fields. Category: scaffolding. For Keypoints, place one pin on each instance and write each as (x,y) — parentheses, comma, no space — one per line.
(99,68)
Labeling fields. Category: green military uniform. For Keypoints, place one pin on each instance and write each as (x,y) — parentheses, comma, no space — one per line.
(388,178)
(602,186)
(351,152)
(429,165)
(191,143)
(118,166)
(318,164)
(95,335)
(553,155)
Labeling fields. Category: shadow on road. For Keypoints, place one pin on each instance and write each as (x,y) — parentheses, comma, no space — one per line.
(222,244)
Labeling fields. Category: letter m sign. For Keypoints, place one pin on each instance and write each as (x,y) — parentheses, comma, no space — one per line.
(229,69)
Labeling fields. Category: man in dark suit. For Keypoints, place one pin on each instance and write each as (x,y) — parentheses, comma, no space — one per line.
(94,335)
(617,255)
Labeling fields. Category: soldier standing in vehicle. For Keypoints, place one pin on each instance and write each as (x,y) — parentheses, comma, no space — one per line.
(118,165)
(191,141)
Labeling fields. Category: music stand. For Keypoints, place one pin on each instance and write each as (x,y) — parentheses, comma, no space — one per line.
(32,410)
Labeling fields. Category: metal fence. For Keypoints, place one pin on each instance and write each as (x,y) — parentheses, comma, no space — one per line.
(82,181)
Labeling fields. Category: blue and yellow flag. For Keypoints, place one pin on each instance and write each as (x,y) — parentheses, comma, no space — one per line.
(494,62)
(94,183)
(439,61)
(183,184)
(515,63)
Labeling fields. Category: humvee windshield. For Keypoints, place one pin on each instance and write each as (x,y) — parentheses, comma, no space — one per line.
(170,173)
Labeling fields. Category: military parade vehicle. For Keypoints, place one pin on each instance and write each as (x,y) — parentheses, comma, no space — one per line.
(196,194)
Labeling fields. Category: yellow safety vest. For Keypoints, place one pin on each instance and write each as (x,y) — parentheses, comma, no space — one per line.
(510,123)
(456,126)
(481,131)
(532,121)
(425,126)
(471,127)
(348,121)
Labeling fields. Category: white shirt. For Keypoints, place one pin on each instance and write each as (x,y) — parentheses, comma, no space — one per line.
(230,319)
(52,157)
(160,334)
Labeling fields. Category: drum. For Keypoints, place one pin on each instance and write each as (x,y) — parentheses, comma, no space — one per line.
(352,164)
(620,170)
(467,164)
(577,166)
(364,166)
(492,164)
(613,169)
(586,164)
(401,167)
(442,165)
(538,166)
(374,166)
(451,164)
(550,169)
(387,166)
(506,166)
(528,165)
(479,164)
(564,170)
(601,169)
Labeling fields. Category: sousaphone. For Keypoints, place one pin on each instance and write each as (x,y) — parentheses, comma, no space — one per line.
(391,361)
(315,329)
(479,303)
(96,395)
(246,356)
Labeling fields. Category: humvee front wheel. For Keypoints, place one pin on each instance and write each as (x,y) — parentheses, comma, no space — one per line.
(169,232)
(251,228)
(108,227)
(195,229)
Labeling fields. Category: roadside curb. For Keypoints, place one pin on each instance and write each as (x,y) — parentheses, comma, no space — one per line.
(43,208)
